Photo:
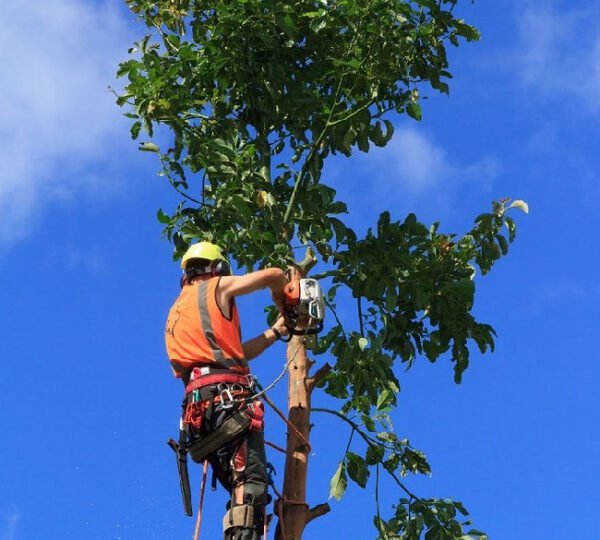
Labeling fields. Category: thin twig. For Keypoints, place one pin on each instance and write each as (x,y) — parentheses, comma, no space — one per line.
(360,316)
(370,442)
(276,447)
(330,306)
(377,501)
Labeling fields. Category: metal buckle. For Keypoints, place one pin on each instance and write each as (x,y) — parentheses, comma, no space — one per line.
(226,397)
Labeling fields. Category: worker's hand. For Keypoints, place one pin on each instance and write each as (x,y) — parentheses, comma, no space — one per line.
(281,327)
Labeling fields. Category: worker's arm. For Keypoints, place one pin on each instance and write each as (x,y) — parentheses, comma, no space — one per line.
(253,347)
(232,286)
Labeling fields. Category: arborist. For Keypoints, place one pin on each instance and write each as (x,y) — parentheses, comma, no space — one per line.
(221,421)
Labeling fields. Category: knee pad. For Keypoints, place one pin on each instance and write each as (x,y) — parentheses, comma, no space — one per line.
(242,515)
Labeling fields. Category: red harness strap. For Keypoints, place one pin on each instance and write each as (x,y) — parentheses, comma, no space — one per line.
(216,378)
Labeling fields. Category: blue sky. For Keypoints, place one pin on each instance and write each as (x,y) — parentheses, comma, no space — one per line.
(86,397)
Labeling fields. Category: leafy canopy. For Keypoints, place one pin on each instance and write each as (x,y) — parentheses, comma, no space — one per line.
(256,95)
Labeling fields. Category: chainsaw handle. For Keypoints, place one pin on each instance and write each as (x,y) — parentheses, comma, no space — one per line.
(304,332)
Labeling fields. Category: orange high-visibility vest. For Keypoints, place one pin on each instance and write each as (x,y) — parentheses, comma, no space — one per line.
(197,333)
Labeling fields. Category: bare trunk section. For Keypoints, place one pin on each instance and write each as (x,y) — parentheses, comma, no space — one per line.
(293,510)
(293,506)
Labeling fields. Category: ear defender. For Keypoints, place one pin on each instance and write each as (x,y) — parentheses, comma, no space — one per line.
(220,268)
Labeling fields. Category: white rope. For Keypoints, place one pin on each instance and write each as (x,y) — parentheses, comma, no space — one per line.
(277,379)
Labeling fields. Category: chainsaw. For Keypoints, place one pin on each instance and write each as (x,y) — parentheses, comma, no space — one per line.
(304,306)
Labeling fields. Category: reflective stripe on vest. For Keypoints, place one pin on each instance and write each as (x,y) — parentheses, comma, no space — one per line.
(209,334)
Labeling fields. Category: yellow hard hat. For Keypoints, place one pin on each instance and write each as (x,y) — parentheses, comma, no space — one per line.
(203,250)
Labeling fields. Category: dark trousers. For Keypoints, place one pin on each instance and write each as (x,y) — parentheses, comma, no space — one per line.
(240,467)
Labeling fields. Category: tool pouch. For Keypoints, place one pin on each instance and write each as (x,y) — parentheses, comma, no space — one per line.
(231,428)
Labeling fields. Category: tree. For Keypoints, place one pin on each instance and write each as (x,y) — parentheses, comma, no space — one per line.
(256,95)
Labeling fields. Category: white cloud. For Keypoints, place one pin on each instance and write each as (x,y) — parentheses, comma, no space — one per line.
(418,164)
(57,118)
(415,170)
(561,291)
(558,53)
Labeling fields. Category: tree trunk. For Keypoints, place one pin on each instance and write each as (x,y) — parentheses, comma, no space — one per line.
(293,510)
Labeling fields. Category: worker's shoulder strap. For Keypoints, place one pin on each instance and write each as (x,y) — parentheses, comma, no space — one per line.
(206,313)
(208,308)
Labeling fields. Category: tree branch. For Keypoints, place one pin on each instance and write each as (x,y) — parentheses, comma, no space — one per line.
(360,316)
(319,375)
(352,114)
(317,511)
(308,262)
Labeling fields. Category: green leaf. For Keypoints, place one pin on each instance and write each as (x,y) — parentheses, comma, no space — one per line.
(375,454)
(325,342)
(390,131)
(318,23)
(433,533)
(149,147)
(353,63)
(376,134)
(459,506)
(502,243)
(272,314)
(414,111)
(287,24)
(357,469)
(477,532)
(135,130)
(386,436)
(512,228)
(391,299)
(521,205)
(369,423)
(162,217)
(464,289)
(384,399)
(339,482)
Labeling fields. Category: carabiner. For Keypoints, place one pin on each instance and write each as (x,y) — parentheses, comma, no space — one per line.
(226,398)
